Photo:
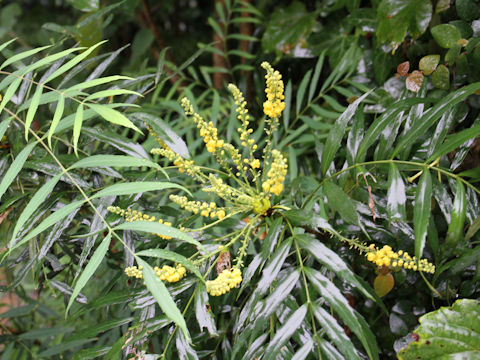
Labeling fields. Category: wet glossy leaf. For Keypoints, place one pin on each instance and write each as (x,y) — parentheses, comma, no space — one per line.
(334,139)
(282,334)
(386,119)
(421,211)
(335,332)
(341,306)
(340,202)
(395,17)
(203,313)
(455,140)
(414,81)
(331,260)
(457,217)
(383,284)
(396,196)
(162,296)
(429,63)
(288,25)
(450,332)
(446,35)
(446,103)
(441,78)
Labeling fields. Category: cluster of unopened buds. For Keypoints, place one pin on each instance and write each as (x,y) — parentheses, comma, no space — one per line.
(166,273)
(395,260)
(135,215)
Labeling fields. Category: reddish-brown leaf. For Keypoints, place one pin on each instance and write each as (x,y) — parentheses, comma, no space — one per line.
(414,81)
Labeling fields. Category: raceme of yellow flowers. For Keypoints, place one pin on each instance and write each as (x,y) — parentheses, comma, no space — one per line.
(397,260)
(247,186)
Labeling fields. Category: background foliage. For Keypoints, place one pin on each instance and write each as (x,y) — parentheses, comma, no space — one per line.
(376,92)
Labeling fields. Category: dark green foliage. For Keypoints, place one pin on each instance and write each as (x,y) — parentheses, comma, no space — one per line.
(369,162)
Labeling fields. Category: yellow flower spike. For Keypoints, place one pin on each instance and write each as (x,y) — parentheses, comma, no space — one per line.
(386,256)
(276,174)
(207,130)
(274,105)
(135,215)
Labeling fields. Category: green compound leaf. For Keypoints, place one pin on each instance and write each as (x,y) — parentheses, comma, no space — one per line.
(447,333)
(446,35)
(159,291)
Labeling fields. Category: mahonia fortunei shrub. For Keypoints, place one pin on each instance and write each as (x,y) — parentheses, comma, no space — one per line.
(247,185)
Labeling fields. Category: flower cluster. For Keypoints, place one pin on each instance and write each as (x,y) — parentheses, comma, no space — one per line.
(242,115)
(276,174)
(274,105)
(183,164)
(244,184)
(207,131)
(135,215)
(205,209)
(166,273)
(389,258)
(226,280)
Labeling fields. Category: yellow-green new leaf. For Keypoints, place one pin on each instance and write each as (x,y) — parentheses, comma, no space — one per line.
(77,126)
(113,116)
(32,110)
(99,81)
(92,265)
(15,168)
(22,55)
(56,118)
(64,68)
(10,92)
(112,92)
